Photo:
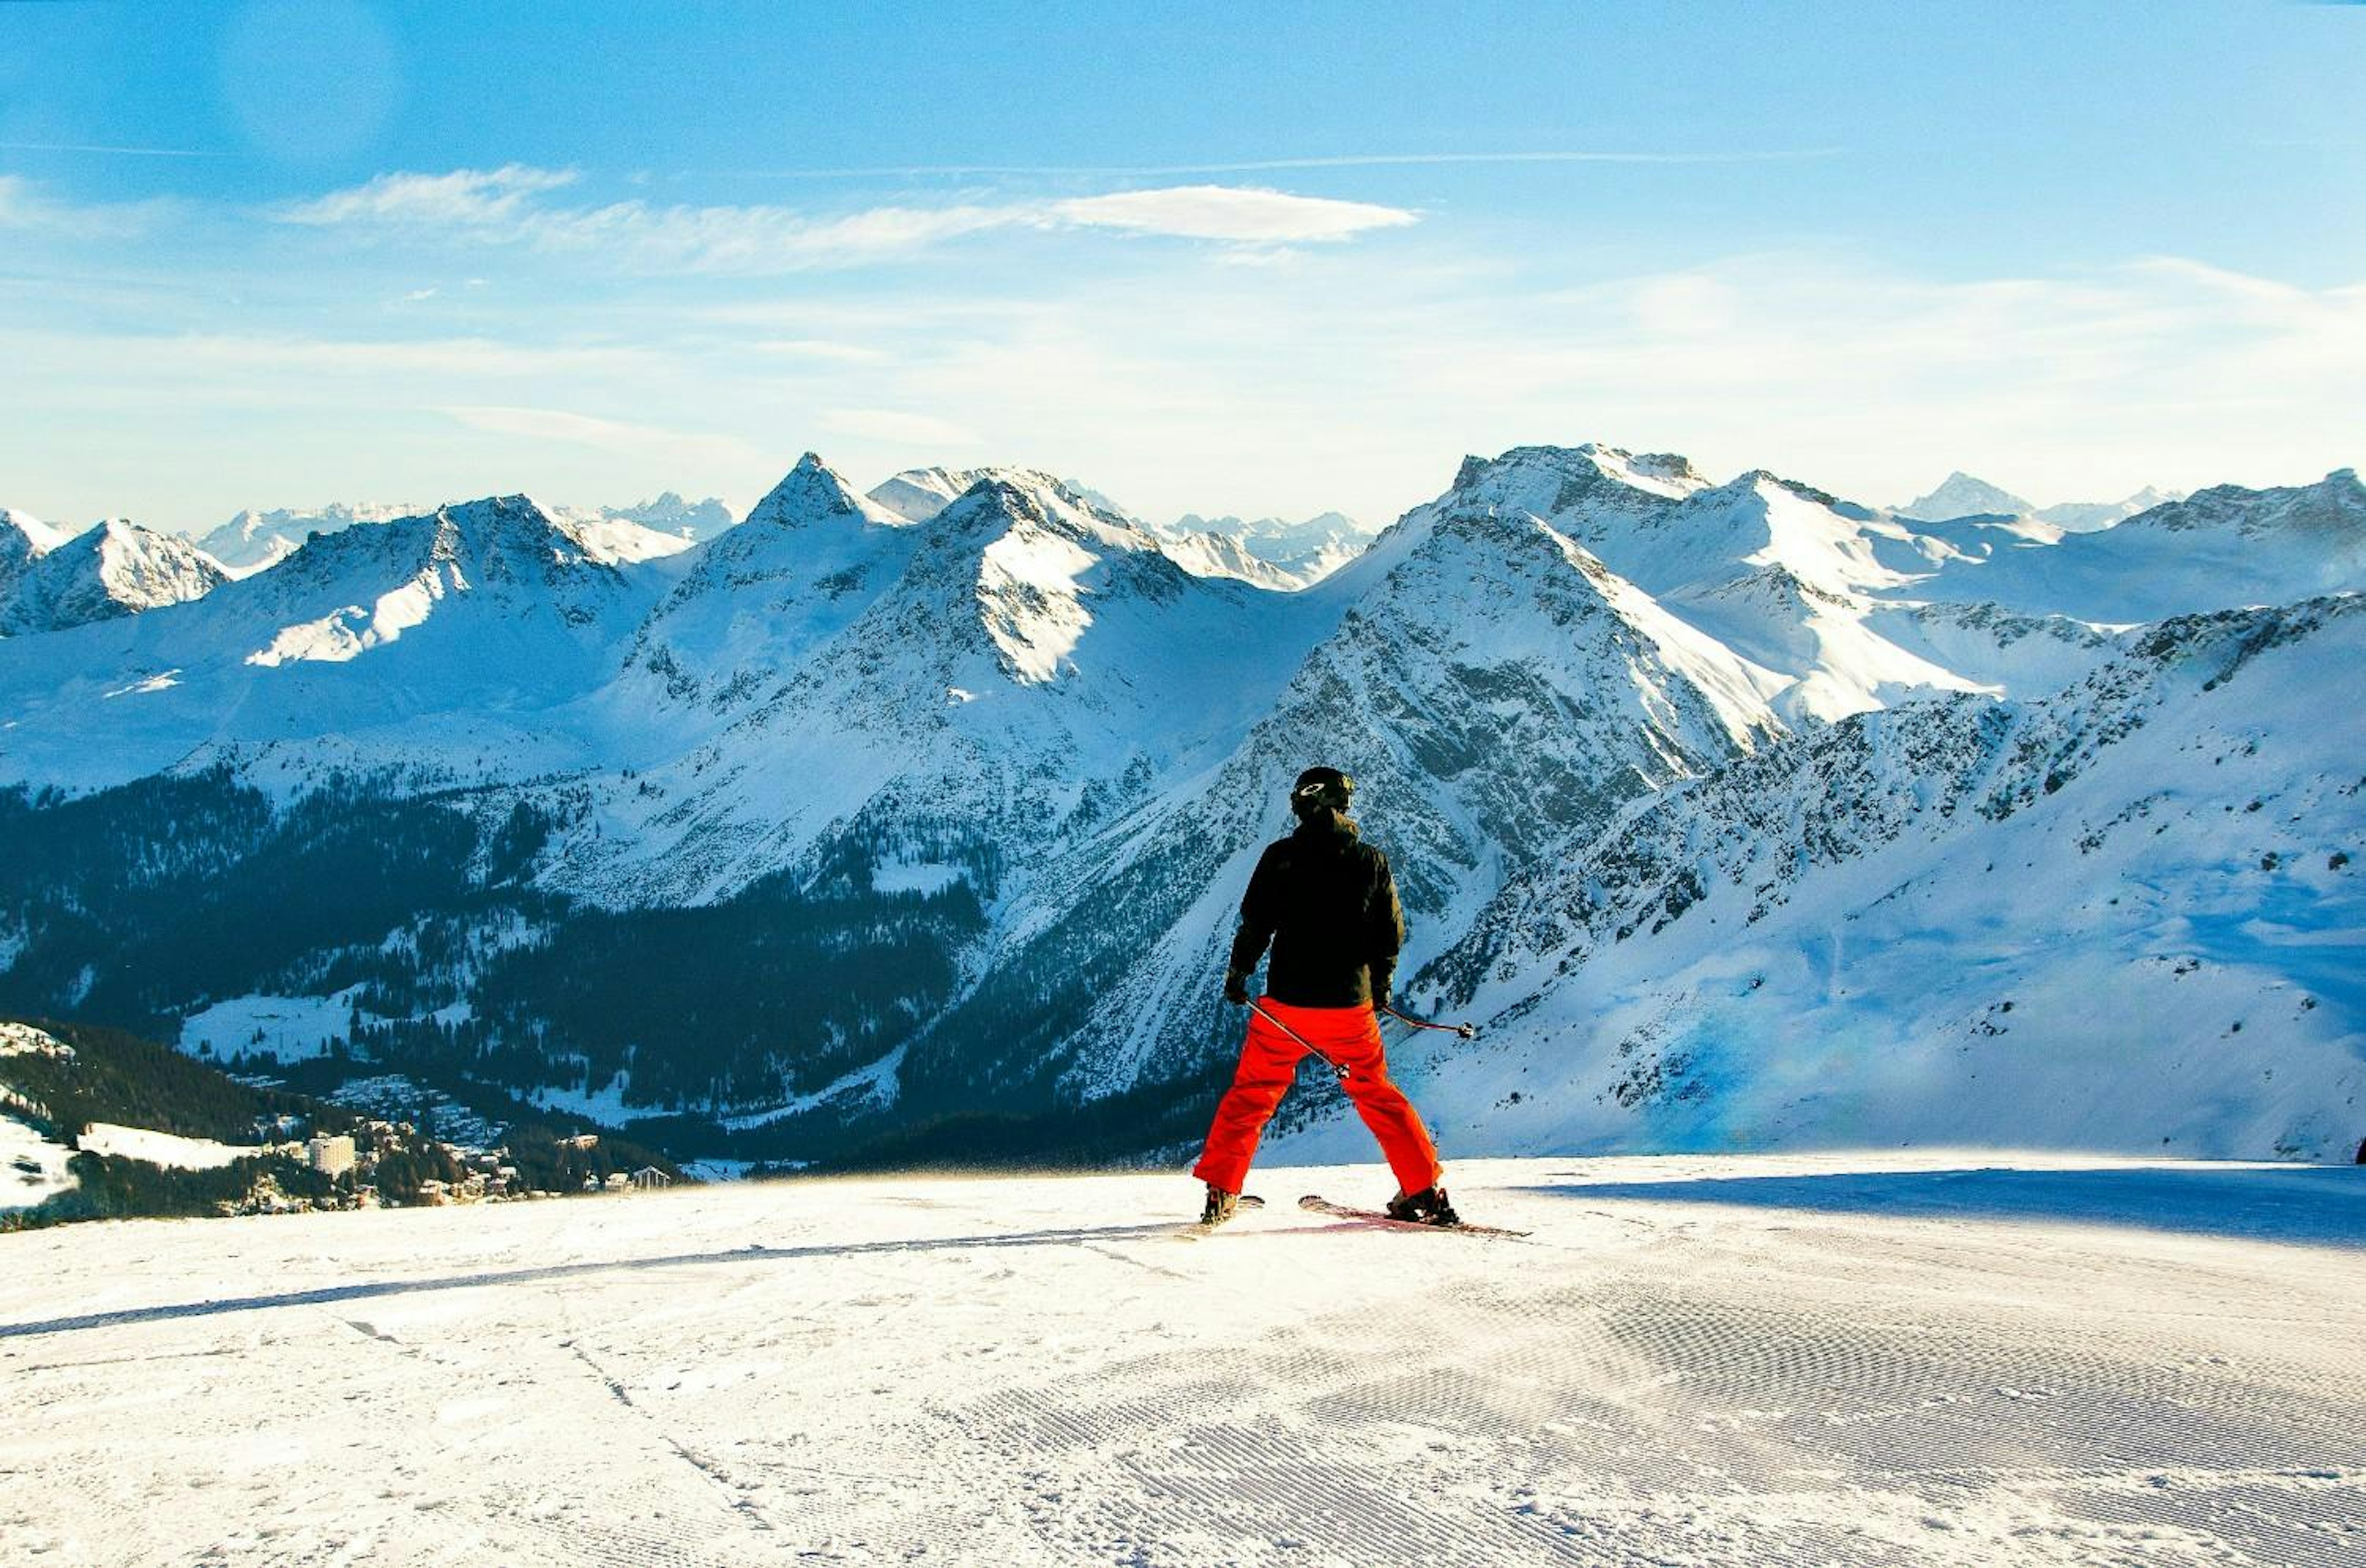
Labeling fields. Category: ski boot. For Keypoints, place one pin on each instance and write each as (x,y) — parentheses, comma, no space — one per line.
(1427,1207)
(1221,1206)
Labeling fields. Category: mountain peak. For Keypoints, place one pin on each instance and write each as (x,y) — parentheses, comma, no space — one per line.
(1961,495)
(2087,516)
(672,514)
(1548,479)
(513,514)
(814,493)
(1268,551)
(917,495)
(114,567)
(37,536)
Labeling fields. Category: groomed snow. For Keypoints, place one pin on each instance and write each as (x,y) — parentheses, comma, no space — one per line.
(1946,1359)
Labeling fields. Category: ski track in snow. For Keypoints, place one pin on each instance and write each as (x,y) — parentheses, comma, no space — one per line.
(1696,1359)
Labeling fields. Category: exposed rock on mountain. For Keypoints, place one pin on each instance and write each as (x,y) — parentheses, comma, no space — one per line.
(115,569)
(255,539)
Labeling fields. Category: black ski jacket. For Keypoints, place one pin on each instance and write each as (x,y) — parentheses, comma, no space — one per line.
(1328,905)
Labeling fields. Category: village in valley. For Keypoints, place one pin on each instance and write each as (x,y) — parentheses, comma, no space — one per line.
(96,1124)
(487,1176)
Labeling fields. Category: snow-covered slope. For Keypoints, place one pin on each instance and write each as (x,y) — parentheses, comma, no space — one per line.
(2122,916)
(116,568)
(23,538)
(755,599)
(168,1149)
(1306,551)
(2085,516)
(1497,693)
(1980,1360)
(22,534)
(2216,549)
(432,641)
(255,538)
(918,494)
(670,513)
(622,541)
(1962,496)
(1784,575)
(1214,555)
(982,676)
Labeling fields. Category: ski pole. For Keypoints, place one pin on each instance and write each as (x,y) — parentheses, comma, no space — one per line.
(1467,1031)
(1256,1005)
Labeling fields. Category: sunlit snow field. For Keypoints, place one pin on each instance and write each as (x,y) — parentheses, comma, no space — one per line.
(1934,1359)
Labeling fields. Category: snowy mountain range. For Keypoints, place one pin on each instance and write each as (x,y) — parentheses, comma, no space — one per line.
(913,822)
(253,539)
(1961,495)
(1306,551)
(49,580)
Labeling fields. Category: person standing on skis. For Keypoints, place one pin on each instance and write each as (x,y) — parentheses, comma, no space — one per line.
(1327,904)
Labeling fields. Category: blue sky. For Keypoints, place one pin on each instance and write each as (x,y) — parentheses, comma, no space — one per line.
(1203,258)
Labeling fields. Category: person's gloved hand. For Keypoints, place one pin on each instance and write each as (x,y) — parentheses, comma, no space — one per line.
(1237,987)
(1384,982)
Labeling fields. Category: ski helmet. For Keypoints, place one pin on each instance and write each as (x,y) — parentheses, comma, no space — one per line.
(1319,787)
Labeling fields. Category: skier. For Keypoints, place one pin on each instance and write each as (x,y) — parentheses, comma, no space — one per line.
(1328,906)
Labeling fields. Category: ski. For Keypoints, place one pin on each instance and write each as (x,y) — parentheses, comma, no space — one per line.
(1198,1228)
(1320,1205)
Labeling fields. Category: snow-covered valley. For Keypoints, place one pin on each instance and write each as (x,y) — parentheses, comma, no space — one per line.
(1940,1359)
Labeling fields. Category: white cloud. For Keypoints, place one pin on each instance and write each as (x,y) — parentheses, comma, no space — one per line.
(1356,383)
(1351,376)
(464,198)
(751,240)
(1239,213)
(503,206)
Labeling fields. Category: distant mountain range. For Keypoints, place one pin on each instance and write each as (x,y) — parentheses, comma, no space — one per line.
(253,539)
(1268,551)
(1961,495)
(911,824)
(1308,551)
(50,579)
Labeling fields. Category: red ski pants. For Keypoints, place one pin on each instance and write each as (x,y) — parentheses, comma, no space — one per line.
(1346,1037)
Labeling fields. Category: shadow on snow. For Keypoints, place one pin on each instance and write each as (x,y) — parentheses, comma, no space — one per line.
(751,1253)
(2318,1205)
